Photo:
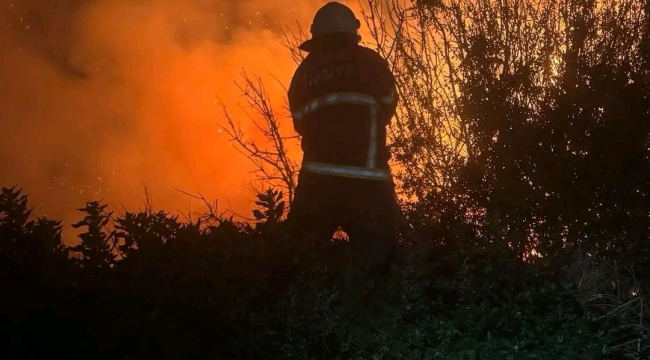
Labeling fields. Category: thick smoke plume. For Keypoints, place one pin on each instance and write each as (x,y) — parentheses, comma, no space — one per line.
(99,97)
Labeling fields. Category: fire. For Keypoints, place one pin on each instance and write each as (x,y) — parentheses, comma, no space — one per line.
(100,98)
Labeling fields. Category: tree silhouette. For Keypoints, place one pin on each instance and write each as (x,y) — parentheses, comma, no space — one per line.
(97,242)
(530,117)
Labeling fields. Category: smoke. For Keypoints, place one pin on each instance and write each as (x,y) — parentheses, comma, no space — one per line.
(101,96)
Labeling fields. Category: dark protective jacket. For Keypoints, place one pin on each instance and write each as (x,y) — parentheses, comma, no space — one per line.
(336,92)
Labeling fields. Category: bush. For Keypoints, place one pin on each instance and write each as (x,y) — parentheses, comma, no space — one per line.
(173,290)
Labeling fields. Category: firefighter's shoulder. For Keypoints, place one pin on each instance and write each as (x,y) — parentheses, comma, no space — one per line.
(371,55)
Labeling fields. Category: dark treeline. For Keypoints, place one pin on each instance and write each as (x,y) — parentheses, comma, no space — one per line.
(524,135)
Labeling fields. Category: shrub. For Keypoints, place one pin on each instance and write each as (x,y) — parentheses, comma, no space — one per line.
(183,290)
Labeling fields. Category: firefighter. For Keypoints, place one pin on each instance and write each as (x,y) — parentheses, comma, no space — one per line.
(342,96)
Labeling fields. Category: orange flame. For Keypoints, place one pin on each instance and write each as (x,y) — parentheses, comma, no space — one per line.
(101,97)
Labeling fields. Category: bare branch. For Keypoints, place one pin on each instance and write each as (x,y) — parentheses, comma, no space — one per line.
(273,165)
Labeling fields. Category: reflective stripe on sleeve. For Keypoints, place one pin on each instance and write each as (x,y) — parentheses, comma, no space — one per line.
(371,161)
(348,171)
(390,98)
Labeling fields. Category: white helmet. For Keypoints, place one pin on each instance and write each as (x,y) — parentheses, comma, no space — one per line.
(333,18)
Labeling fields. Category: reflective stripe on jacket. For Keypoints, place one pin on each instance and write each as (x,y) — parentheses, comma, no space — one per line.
(341,99)
(370,172)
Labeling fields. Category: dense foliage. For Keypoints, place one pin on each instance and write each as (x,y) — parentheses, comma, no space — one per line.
(146,286)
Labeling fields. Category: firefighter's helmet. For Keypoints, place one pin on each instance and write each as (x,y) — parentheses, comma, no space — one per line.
(333,18)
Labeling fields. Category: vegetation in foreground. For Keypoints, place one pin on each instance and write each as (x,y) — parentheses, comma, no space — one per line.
(146,286)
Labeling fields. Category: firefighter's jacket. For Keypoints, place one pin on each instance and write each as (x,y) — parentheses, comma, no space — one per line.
(342,98)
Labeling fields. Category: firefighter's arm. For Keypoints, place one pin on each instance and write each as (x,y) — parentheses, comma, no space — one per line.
(381,84)
(387,91)
(296,100)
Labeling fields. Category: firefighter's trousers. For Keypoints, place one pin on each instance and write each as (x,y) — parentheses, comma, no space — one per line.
(366,210)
